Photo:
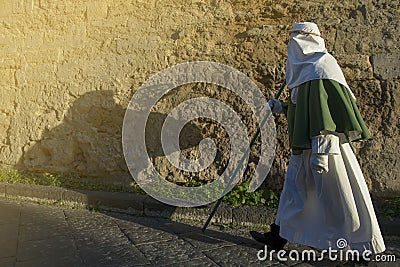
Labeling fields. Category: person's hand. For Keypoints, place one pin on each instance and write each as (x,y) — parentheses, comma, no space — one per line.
(275,105)
(319,162)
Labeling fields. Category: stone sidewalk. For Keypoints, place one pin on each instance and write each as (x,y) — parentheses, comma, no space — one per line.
(144,205)
(42,235)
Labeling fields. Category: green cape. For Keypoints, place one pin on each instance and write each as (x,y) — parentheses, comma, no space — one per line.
(323,106)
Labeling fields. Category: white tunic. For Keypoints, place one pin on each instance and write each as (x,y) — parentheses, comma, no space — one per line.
(318,209)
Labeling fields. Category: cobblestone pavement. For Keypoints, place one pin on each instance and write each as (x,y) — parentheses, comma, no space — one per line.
(38,235)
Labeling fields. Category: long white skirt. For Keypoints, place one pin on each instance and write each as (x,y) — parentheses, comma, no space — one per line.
(318,209)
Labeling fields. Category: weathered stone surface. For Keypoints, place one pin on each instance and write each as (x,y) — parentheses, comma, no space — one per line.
(245,216)
(223,214)
(69,69)
(386,66)
(156,208)
(379,157)
(132,203)
(2,190)
(33,191)
(358,67)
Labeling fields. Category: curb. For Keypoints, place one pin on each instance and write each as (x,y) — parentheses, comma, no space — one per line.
(139,205)
(144,205)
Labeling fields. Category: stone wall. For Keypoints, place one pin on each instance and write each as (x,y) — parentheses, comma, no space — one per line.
(69,67)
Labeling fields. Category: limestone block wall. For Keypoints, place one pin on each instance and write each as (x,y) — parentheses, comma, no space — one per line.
(68,69)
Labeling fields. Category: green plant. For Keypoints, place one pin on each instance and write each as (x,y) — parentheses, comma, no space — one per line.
(238,196)
(272,199)
(194,183)
(241,195)
(72,181)
(14,176)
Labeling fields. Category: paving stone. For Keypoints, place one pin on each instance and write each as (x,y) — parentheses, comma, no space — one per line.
(39,214)
(195,262)
(236,256)
(169,252)
(59,247)
(99,239)
(177,228)
(8,240)
(38,235)
(9,213)
(111,255)
(59,262)
(36,231)
(137,222)
(160,224)
(145,235)
(7,262)
(204,242)
(84,222)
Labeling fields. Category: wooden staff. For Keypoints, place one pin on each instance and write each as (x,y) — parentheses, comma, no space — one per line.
(253,140)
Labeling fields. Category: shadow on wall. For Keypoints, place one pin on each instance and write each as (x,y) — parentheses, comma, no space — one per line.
(189,137)
(88,141)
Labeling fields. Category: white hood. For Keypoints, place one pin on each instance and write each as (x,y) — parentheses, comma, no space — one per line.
(308,58)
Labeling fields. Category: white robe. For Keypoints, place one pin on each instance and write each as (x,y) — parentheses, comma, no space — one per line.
(318,209)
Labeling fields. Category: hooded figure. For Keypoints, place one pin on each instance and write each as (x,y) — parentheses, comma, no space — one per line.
(325,197)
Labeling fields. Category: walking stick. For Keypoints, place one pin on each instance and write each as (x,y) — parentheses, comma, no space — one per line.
(253,140)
